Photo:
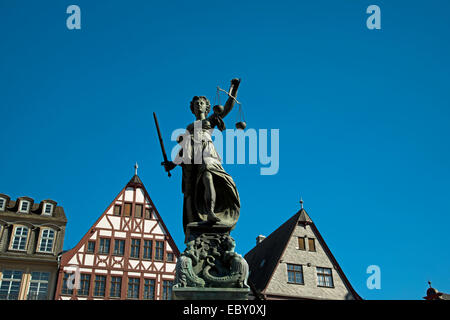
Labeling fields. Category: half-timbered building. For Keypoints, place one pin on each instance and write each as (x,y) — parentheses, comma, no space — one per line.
(127,254)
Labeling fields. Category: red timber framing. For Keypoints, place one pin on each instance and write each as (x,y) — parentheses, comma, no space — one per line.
(136,270)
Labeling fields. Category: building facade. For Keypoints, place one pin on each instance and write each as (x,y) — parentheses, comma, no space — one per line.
(127,254)
(294,262)
(31,239)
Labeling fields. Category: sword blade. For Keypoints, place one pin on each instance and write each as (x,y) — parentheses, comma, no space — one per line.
(161,142)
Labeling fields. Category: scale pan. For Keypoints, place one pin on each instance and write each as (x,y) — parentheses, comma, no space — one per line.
(218,109)
(241,125)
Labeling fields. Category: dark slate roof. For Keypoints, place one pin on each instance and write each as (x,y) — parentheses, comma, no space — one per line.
(135,182)
(35,213)
(265,256)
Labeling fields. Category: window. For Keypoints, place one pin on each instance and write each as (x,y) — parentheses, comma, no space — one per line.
(127,210)
(10,285)
(119,247)
(2,204)
(104,246)
(20,238)
(159,250)
(117,210)
(135,248)
(47,239)
(311,245)
(100,285)
(24,206)
(301,243)
(324,277)
(170,257)
(167,290)
(91,247)
(85,283)
(65,288)
(133,288)
(48,209)
(138,211)
(148,214)
(38,289)
(149,289)
(148,244)
(116,287)
(295,273)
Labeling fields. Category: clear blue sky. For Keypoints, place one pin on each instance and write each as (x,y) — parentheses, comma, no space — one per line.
(363,116)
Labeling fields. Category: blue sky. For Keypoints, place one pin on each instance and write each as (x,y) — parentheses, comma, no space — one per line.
(363,117)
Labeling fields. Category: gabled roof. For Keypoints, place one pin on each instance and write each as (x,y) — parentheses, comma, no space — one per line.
(265,256)
(135,181)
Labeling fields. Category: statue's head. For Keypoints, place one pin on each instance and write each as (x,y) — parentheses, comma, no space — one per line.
(200,104)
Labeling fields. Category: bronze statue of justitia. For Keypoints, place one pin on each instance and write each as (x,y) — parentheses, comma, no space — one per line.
(210,194)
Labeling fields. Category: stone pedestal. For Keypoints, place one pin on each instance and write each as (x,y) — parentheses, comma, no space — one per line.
(209,269)
(210,293)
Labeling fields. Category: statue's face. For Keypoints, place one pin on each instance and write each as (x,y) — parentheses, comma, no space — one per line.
(200,106)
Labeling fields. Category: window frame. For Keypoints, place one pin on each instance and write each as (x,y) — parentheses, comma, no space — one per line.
(156,257)
(166,285)
(39,282)
(144,293)
(125,206)
(13,236)
(138,283)
(149,215)
(111,287)
(136,205)
(313,241)
(38,249)
(44,211)
(87,247)
(82,281)
(11,281)
(64,288)
(301,247)
(97,286)
(149,248)
(3,204)
(324,275)
(132,248)
(120,210)
(295,273)
(122,253)
(22,202)
(100,247)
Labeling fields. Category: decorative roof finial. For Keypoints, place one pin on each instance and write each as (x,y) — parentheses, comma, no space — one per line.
(429,283)
(301,202)
(135,168)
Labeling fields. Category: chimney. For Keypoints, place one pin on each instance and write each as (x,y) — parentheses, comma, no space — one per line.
(260,238)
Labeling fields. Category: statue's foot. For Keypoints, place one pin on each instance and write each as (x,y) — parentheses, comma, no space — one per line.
(212,217)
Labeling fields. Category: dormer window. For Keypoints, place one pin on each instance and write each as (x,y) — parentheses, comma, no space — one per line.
(48,209)
(2,204)
(24,206)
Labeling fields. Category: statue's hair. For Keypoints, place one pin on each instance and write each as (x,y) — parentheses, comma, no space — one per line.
(208,104)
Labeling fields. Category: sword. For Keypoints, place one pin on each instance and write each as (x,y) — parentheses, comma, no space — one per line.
(161,142)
